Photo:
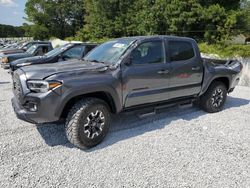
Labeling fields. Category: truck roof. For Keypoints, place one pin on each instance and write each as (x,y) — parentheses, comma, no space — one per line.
(41,44)
(85,43)
(158,36)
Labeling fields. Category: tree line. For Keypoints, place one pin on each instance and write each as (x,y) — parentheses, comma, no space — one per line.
(207,20)
(11,31)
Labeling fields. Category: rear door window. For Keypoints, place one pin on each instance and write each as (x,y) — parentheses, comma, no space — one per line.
(181,50)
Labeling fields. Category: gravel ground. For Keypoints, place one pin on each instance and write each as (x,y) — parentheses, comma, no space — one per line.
(179,147)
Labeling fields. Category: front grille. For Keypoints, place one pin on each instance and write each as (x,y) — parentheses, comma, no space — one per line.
(17,88)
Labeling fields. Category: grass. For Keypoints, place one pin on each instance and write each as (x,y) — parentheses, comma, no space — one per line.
(226,50)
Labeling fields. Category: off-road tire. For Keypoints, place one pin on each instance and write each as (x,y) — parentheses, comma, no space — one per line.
(77,118)
(206,101)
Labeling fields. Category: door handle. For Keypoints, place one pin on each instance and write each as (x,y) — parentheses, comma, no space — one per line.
(163,72)
(195,68)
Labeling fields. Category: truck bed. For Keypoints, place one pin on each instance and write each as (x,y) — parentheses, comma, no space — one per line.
(228,63)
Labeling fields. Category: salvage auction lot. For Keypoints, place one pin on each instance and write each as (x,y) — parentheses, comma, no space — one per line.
(180,147)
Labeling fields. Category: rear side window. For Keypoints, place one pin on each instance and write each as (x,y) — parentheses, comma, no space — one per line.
(180,50)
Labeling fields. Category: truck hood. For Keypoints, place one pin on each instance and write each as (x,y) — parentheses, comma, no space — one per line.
(35,59)
(75,66)
(11,51)
(13,57)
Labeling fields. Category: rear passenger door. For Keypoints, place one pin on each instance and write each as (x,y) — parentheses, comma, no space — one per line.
(187,69)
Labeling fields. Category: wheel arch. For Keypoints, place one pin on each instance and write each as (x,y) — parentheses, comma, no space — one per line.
(105,96)
(224,79)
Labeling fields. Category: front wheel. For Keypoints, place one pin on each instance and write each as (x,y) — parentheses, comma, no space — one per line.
(88,123)
(215,97)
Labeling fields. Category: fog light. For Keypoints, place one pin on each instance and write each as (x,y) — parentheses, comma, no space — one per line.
(32,107)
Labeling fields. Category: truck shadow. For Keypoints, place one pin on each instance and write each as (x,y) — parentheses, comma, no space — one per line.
(125,126)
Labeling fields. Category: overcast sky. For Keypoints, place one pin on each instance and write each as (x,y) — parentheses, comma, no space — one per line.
(12,12)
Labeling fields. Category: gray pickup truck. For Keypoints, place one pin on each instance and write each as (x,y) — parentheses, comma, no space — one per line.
(121,75)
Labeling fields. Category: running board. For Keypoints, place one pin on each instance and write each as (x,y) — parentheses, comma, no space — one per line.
(153,111)
(147,114)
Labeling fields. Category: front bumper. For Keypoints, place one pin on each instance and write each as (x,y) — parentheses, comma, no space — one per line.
(46,108)
(20,113)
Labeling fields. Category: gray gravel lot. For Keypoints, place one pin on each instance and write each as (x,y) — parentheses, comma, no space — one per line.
(183,147)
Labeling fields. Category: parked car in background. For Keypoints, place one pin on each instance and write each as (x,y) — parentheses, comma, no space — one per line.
(63,53)
(26,45)
(121,75)
(35,50)
(21,48)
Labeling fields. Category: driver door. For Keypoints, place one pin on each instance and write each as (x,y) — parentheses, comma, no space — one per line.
(146,79)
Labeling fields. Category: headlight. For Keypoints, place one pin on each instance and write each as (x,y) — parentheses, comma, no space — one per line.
(5,60)
(41,86)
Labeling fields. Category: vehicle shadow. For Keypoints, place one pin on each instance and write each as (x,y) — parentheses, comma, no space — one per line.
(125,126)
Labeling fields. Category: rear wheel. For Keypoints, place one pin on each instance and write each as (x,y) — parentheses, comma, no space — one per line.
(215,97)
(88,123)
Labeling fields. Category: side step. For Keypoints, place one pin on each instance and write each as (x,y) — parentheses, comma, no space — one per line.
(147,114)
(153,111)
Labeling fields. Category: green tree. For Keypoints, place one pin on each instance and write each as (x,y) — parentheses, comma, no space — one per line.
(38,32)
(210,20)
(243,22)
(11,31)
(227,4)
(59,18)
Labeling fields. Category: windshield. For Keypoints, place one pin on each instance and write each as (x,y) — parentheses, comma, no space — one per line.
(57,51)
(109,52)
(31,50)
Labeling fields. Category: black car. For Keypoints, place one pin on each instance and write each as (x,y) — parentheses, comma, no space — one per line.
(121,75)
(23,47)
(63,53)
(35,50)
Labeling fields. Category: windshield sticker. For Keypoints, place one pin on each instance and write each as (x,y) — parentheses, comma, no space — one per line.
(118,45)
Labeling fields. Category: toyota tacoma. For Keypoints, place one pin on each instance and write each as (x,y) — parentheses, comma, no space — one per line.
(121,75)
